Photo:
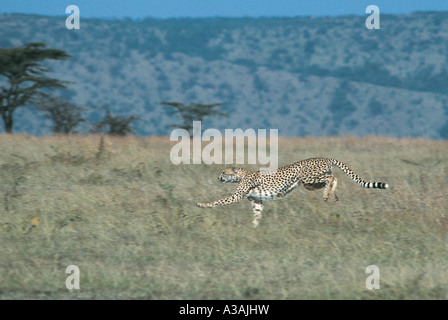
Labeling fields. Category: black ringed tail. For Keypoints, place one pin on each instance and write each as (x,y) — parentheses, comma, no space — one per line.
(357,179)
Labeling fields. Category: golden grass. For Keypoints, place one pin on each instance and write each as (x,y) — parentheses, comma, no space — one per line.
(126,216)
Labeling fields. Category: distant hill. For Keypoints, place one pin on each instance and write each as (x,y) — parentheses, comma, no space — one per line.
(303,76)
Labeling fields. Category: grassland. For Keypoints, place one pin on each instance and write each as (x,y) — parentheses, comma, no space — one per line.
(126,216)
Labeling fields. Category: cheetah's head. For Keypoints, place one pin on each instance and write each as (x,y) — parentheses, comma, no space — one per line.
(232,175)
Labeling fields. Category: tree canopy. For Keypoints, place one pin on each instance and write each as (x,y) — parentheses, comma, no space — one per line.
(25,77)
(192,112)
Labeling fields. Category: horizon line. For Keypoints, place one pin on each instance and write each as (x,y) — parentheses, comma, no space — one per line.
(138,19)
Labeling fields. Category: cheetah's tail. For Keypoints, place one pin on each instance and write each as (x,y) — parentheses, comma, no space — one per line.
(357,179)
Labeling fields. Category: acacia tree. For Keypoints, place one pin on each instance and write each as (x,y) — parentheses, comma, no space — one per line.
(65,115)
(25,79)
(192,112)
(116,125)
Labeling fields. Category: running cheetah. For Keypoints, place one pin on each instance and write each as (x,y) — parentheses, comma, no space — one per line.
(312,173)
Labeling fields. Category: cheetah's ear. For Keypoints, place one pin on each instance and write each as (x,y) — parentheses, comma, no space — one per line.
(235,170)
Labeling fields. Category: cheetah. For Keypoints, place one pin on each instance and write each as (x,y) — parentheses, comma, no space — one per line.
(313,174)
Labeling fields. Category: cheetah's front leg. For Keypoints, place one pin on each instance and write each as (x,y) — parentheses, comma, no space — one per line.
(222,202)
(257,207)
(239,194)
(330,187)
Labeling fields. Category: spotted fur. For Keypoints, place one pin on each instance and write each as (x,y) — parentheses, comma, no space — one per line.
(313,174)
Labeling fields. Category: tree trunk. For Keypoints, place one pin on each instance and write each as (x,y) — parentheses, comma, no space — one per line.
(8,121)
(8,126)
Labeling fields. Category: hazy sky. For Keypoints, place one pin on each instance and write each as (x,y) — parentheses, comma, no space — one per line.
(208,8)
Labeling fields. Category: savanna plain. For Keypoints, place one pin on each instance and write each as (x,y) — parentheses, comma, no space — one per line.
(125,215)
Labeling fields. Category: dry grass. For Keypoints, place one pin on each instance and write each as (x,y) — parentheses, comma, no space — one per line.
(126,216)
